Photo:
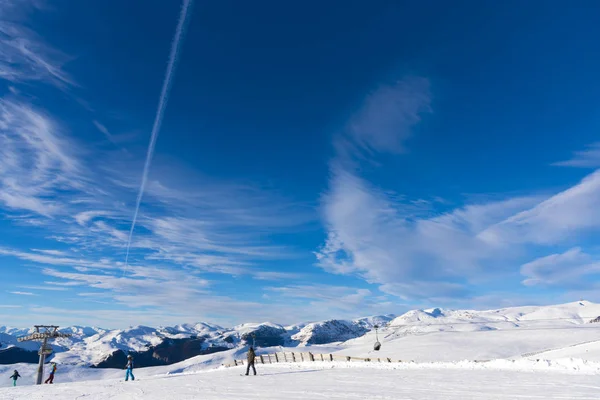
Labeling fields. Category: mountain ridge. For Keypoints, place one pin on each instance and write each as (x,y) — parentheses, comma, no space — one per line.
(163,345)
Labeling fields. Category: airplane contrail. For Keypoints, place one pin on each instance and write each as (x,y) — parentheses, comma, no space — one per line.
(162,104)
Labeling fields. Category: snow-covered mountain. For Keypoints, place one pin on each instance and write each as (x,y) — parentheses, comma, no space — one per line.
(166,345)
(329,331)
(441,320)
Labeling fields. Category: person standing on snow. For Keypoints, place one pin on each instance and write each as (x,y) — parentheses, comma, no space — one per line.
(251,357)
(129,368)
(15,376)
(51,377)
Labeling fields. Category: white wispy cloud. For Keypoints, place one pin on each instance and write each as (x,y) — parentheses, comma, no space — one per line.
(562,217)
(381,237)
(41,174)
(335,301)
(58,260)
(276,275)
(23,54)
(36,160)
(147,286)
(566,269)
(104,131)
(588,158)
(46,288)
(23,293)
(386,118)
(51,252)
(370,234)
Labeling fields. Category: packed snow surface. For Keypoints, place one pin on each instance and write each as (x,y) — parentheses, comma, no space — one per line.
(327,381)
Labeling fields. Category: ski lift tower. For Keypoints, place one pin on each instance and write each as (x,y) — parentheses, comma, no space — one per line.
(43,333)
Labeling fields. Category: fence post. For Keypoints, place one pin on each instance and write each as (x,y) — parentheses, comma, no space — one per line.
(379,360)
(293,357)
(311,356)
(302,357)
(348,358)
(268,355)
(322,359)
(276,358)
(235,362)
(284,356)
(389,360)
(331,357)
(262,360)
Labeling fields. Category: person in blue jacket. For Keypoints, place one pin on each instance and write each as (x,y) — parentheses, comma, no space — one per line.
(129,368)
(15,376)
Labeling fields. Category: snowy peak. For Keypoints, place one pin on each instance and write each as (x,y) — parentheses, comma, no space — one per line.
(82,331)
(438,319)
(329,331)
(265,334)
(199,328)
(370,322)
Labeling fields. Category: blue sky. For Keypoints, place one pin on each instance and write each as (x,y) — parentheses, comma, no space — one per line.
(314,161)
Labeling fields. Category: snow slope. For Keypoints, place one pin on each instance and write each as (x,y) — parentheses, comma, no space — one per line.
(335,381)
(444,335)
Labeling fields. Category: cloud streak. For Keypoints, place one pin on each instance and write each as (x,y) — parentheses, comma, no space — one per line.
(566,269)
(24,57)
(588,158)
(384,121)
(36,160)
(162,104)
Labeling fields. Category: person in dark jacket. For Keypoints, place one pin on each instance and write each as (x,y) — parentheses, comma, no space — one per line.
(251,357)
(129,368)
(50,379)
(15,376)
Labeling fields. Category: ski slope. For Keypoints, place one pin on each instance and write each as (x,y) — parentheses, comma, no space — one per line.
(518,353)
(318,380)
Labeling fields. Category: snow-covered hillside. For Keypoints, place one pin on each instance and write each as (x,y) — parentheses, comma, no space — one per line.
(525,352)
(424,335)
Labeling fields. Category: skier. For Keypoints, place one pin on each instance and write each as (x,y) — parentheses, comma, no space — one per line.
(129,368)
(15,376)
(51,377)
(251,356)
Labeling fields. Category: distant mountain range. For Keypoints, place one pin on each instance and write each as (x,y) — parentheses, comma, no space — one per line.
(97,347)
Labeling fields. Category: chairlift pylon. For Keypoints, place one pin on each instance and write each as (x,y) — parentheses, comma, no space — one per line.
(377,344)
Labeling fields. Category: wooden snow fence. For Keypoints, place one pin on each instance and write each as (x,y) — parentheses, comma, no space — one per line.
(292,357)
